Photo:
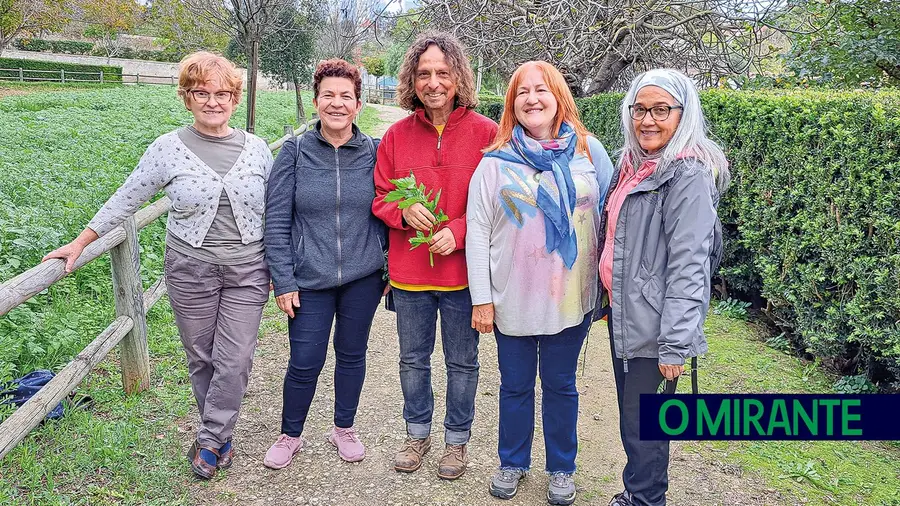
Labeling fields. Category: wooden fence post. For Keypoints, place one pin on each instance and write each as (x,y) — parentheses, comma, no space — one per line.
(101,77)
(137,78)
(21,75)
(62,75)
(126,277)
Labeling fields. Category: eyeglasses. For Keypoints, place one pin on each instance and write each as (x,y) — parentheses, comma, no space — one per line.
(657,112)
(202,97)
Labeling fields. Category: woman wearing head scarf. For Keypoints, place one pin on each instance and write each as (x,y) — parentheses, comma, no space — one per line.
(533,220)
(662,242)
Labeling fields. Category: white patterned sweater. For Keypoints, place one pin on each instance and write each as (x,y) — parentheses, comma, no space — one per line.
(194,189)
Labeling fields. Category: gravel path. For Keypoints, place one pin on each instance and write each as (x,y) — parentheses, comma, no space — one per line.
(319,477)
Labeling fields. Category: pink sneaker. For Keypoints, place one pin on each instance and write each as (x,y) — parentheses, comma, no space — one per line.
(349,447)
(282,452)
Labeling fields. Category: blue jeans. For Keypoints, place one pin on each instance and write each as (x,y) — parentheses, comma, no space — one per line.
(556,357)
(354,304)
(416,320)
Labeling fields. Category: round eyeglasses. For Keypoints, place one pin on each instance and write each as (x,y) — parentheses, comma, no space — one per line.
(657,112)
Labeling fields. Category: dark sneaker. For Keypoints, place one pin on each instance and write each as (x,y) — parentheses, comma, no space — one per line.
(505,483)
(409,458)
(621,499)
(453,463)
(561,490)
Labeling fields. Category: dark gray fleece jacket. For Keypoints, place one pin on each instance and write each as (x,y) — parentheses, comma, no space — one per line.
(320,232)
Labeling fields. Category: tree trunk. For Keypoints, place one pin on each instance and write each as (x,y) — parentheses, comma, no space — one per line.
(301,114)
(610,69)
(480,73)
(251,85)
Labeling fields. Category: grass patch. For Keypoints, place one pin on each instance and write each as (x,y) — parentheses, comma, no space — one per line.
(65,150)
(816,472)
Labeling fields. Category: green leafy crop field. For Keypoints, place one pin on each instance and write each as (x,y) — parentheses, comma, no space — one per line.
(62,155)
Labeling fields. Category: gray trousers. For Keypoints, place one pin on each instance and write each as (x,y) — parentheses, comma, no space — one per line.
(217,310)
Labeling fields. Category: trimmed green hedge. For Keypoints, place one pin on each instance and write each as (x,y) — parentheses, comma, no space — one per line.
(89,48)
(813,214)
(110,74)
(56,46)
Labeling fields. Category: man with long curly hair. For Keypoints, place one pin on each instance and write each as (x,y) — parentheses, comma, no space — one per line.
(440,144)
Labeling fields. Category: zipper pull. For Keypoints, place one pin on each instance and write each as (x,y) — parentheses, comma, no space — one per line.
(625,365)
(439,141)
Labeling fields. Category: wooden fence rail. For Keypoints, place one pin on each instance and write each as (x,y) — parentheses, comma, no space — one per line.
(128,329)
(24,75)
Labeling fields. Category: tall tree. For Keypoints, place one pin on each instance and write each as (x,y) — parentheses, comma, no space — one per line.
(18,17)
(859,44)
(184,31)
(247,22)
(107,19)
(600,44)
(286,55)
(349,23)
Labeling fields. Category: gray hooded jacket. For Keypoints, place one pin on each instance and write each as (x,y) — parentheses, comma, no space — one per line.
(668,241)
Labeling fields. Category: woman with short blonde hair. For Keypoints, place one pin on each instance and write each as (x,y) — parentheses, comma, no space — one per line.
(215,268)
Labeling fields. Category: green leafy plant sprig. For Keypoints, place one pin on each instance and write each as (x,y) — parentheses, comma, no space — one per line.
(408,192)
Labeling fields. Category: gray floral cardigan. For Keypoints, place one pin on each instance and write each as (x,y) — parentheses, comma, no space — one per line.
(194,189)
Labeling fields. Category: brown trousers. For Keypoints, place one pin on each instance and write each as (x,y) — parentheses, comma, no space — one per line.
(217,310)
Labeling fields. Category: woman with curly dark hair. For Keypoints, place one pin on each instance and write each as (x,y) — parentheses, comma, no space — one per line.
(325,252)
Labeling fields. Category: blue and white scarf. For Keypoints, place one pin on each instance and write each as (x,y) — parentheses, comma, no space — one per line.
(556,189)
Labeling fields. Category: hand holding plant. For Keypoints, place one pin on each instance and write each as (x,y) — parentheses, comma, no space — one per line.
(408,194)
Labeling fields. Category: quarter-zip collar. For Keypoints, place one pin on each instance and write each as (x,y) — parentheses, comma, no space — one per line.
(356,140)
(455,117)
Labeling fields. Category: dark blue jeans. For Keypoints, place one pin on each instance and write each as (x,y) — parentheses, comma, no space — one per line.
(416,319)
(556,357)
(354,305)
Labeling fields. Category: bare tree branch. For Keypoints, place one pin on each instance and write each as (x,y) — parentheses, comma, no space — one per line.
(598,44)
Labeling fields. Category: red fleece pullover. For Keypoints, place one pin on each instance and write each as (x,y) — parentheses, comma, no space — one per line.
(444,162)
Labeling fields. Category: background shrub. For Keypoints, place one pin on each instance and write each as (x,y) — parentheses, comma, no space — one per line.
(110,74)
(89,48)
(813,215)
(55,46)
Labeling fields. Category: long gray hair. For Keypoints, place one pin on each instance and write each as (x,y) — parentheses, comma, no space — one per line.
(690,133)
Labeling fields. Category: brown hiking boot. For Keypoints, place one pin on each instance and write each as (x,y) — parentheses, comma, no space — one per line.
(409,458)
(453,463)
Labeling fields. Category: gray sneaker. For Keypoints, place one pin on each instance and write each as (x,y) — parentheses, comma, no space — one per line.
(561,490)
(505,483)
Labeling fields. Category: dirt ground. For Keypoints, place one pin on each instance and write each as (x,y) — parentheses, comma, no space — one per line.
(319,477)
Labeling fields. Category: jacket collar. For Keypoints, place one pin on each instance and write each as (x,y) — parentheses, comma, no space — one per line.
(455,117)
(355,141)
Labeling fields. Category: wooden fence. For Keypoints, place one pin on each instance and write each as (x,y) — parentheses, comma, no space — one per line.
(68,76)
(129,329)
(385,96)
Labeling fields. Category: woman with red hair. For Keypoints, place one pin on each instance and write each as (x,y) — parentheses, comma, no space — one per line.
(533,221)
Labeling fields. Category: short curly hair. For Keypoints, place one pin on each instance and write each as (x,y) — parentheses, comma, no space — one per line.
(337,67)
(454,53)
(202,66)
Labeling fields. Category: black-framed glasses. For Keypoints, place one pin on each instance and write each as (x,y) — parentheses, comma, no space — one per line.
(202,97)
(657,112)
